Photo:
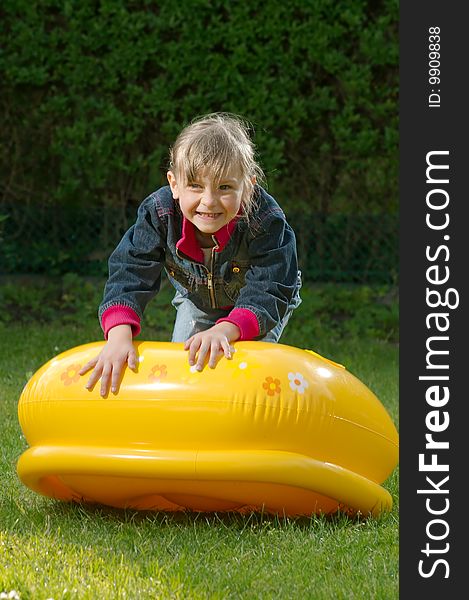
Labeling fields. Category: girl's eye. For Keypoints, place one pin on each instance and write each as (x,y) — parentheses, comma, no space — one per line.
(194,185)
(225,186)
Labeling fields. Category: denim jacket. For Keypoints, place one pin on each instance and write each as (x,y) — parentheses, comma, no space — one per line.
(253,265)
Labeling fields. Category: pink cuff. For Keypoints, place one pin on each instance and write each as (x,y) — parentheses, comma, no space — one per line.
(246,320)
(120,315)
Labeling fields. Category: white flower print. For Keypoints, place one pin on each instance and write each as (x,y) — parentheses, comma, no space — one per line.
(297,382)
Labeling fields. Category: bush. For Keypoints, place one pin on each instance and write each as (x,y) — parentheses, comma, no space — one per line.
(94,94)
(66,299)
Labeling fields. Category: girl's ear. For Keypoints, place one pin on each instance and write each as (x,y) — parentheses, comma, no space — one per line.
(173,184)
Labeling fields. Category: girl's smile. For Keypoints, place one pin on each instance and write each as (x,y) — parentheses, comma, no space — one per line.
(209,216)
(207,203)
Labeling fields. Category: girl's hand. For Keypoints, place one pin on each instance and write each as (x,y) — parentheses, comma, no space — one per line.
(212,343)
(110,362)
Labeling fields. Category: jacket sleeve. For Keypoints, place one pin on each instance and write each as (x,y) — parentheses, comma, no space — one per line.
(135,268)
(272,280)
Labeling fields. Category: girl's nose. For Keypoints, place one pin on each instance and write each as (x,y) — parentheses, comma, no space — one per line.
(208,198)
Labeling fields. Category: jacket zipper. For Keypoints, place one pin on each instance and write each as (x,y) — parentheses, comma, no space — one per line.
(210,286)
(211,290)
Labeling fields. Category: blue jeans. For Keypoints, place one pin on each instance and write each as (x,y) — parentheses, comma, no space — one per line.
(191,320)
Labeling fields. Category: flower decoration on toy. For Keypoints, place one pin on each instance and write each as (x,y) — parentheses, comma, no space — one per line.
(275,428)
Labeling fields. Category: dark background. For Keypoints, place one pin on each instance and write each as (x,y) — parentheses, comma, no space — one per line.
(422,130)
(94,93)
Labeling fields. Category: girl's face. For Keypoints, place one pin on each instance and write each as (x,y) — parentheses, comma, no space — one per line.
(207,204)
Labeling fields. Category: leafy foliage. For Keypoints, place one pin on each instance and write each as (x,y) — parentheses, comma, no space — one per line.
(95,93)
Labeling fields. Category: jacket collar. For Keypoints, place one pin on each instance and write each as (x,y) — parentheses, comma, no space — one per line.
(189,245)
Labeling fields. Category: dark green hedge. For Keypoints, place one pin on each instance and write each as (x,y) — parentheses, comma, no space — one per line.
(95,92)
(58,239)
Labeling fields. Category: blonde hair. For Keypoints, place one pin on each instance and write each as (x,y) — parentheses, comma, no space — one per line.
(217,142)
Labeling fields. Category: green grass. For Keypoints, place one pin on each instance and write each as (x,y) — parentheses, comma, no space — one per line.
(50,549)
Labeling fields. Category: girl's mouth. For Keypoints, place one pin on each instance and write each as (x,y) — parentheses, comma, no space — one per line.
(208,216)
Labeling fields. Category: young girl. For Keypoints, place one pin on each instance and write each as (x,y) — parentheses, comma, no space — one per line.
(224,244)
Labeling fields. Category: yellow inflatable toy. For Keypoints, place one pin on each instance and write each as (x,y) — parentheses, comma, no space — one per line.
(276,428)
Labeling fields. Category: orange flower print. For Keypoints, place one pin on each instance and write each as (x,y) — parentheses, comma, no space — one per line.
(71,375)
(158,372)
(272,386)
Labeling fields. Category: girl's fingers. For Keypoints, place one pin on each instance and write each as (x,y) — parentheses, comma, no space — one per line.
(227,349)
(89,365)
(116,373)
(95,375)
(194,346)
(106,375)
(215,350)
(132,360)
(204,347)
(201,347)
(110,374)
